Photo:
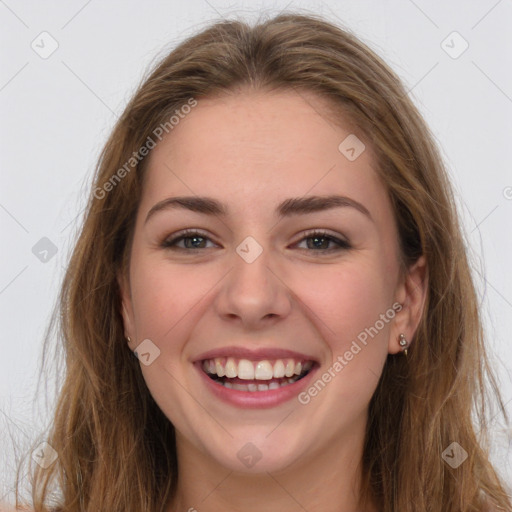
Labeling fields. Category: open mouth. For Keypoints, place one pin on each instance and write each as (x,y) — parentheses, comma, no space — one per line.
(254,376)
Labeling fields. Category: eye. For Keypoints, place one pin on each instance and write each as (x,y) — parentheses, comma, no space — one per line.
(196,239)
(320,241)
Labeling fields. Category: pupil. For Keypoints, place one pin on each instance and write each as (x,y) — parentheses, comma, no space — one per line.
(194,239)
(316,239)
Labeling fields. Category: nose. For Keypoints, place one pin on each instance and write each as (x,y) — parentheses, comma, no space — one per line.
(254,294)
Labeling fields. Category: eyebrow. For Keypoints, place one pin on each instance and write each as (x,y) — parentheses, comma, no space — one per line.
(287,208)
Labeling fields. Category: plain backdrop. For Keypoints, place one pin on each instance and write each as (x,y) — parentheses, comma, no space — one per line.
(58,108)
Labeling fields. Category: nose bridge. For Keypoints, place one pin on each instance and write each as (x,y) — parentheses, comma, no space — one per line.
(252,291)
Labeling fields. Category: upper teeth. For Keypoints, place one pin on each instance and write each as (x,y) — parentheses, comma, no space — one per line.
(255,370)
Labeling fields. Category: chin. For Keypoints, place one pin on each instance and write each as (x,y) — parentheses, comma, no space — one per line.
(255,454)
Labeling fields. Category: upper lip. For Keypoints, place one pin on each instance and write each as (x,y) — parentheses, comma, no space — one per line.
(254,354)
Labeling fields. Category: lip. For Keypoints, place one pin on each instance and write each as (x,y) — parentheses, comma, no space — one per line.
(255,355)
(256,399)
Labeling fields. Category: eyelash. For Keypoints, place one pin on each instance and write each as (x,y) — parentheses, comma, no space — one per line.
(170,243)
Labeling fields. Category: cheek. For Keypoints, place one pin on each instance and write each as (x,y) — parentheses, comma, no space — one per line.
(349,303)
(354,304)
(347,300)
(164,299)
(163,296)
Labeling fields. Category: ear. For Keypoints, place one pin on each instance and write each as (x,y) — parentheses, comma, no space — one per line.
(411,294)
(127,310)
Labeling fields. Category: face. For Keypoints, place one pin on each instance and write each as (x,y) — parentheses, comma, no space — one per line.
(262,312)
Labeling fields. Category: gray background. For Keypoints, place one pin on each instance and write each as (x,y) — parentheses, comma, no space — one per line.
(57,111)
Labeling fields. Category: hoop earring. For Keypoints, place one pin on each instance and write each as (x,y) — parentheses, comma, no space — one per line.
(403,343)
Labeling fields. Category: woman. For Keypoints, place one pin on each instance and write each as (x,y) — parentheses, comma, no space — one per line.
(271,232)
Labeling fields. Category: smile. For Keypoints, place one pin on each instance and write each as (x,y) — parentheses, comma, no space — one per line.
(255,376)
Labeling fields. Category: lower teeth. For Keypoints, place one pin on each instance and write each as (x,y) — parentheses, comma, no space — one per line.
(257,387)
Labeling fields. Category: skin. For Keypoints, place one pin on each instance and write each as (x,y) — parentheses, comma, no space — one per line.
(252,150)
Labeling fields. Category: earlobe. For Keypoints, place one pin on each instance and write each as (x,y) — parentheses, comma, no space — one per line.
(411,294)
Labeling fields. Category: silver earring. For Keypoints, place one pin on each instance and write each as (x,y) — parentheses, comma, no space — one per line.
(129,339)
(403,343)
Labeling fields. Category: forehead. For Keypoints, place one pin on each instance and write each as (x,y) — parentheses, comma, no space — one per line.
(251,149)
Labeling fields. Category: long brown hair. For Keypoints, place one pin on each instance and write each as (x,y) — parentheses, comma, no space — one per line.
(116,449)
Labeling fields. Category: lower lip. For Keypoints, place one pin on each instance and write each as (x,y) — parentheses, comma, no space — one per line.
(256,399)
